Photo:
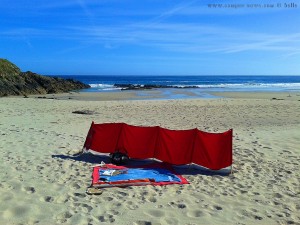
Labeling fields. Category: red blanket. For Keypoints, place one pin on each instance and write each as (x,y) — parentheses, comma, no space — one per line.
(98,182)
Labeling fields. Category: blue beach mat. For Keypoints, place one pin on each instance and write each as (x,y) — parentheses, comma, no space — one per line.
(111,175)
(156,174)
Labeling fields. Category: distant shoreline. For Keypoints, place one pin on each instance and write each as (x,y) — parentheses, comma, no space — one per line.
(198,84)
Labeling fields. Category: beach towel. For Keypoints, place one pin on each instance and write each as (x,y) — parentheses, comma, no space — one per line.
(111,175)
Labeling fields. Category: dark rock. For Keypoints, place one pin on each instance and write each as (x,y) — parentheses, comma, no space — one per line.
(277,99)
(148,86)
(15,82)
(85,112)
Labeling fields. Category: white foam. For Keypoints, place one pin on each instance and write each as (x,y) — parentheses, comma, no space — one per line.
(102,86)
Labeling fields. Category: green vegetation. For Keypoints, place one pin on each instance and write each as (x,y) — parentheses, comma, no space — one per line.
(8,69)
(15,82)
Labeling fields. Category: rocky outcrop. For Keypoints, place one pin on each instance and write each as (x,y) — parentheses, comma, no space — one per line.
(125,87)
(15,82)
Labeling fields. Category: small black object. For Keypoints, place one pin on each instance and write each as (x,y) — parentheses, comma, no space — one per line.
(119,158)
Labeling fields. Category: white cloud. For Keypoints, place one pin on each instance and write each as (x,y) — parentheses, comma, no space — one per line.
(190,38)
(155,30)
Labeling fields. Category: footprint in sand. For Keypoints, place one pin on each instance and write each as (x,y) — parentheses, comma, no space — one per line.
(277,195)
(63,217)
(106,218)
(142,223)
(29,190)
(178,205)
(218,207)
(86,208)
(123,194)
(181,206)
(154,213)
(16,212)
(108,199)
(79,195)
(47,199)
(258,217)
(75,186)
(171,221)
(195,213)
(152,199)
(131,205)
(63,199)
(113,212)
(254,210)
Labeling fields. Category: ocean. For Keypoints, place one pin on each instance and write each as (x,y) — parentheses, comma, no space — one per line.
(199,85)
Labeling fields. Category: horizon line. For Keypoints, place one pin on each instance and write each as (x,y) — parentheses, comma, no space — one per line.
(166,75)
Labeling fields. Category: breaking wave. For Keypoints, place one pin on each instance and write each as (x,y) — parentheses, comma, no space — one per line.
(213,87)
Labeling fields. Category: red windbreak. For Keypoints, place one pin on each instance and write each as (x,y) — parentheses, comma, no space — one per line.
(178,147)
(138,142)
(213,150)
(175,146)
(105,137)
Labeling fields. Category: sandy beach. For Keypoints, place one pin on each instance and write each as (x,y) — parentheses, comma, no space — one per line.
(42,183)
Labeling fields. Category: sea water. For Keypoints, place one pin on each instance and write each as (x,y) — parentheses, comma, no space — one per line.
(194,86)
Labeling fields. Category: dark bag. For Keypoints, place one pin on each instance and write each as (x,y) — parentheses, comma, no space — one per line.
(119,158)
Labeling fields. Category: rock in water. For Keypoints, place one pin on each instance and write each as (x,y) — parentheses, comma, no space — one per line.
(15,82)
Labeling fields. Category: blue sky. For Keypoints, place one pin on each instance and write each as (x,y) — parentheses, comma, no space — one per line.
(145,37)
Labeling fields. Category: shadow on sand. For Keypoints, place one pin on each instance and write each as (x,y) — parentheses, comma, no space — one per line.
(191,169)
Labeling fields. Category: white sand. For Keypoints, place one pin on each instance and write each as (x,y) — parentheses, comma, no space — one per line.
(41,184)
